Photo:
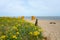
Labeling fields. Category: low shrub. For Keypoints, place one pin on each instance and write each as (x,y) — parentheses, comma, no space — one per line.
(17,29)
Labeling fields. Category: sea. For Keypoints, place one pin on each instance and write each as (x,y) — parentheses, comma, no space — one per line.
(44,17)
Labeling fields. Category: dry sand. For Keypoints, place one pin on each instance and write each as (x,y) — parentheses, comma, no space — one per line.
(51,31)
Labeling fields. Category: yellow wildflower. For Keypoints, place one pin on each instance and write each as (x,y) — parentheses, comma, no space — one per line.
(36,33)
(15,28)
(40,30)
(14,36)
(30,33)
(3,36)
(17,33)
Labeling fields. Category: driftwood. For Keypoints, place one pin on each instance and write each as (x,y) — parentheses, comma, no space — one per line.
(45,38)
(52,23)
(36,22)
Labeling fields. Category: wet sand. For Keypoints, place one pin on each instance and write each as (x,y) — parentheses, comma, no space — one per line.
(51,31)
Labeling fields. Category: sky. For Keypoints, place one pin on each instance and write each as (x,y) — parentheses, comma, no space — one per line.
(29,7)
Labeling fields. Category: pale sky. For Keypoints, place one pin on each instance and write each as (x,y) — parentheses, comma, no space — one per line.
(29,7)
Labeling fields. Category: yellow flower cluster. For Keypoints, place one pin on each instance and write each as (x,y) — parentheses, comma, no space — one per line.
(3,36)
(15,28)
(14,36)
(40,30)
(31,33)
(35,33)
(17,33)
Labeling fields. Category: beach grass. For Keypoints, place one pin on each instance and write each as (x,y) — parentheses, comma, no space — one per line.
(12,28)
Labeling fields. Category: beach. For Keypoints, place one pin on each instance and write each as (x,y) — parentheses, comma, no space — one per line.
(51,31)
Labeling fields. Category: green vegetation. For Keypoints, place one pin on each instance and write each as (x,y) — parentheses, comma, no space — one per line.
(18,29)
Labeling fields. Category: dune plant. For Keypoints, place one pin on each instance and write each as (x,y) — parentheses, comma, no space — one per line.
(18,29)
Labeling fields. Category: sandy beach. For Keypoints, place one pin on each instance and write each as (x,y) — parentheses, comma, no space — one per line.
(51,31)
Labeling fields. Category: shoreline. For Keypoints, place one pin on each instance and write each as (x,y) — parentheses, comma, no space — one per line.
(52,31)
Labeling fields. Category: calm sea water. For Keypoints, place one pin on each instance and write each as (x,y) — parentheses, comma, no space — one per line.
(45,17)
